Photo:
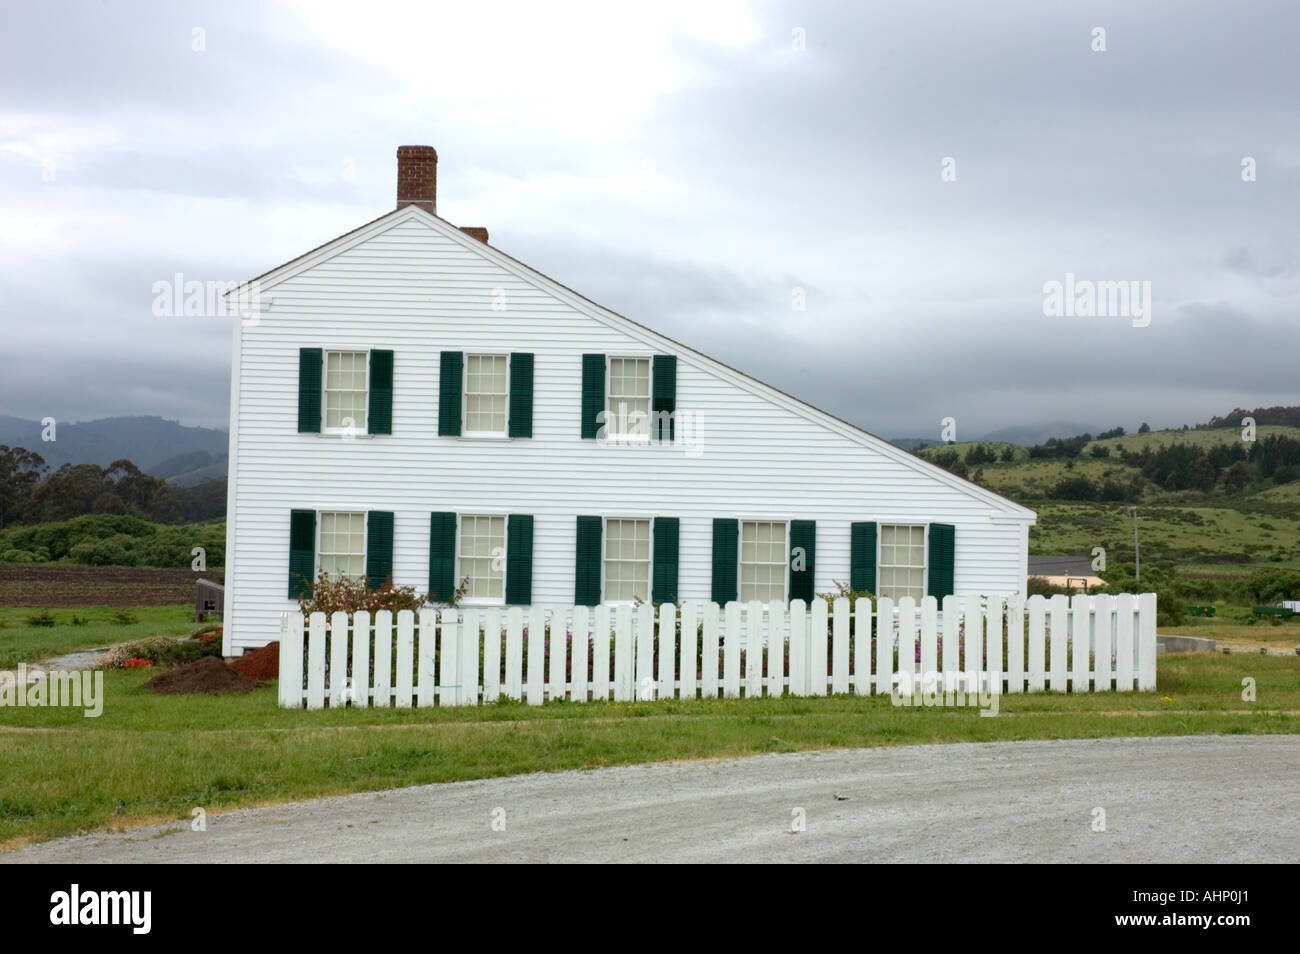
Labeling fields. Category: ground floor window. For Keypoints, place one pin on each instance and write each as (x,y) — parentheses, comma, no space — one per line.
(627,560)
(342,544)
(763,560)
(483,556)
(902,561)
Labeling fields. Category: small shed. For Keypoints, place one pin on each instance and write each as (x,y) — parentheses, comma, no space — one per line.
(209,597)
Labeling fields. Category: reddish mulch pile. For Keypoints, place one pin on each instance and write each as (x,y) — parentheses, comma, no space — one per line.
(208,675)
(261,664)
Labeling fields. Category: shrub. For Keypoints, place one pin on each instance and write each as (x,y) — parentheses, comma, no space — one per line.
(18,556)
(348,595)
(99,553)
(43,618)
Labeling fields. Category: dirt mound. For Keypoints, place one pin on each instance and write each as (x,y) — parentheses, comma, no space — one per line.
(261,664)
(209,676)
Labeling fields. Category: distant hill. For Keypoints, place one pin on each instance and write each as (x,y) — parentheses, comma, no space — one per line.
(148,442)
(1027,435)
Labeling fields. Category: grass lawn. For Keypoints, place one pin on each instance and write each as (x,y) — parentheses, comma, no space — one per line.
(154,758)
(83,628)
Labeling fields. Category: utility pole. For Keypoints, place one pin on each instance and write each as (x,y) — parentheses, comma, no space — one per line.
(1137,559)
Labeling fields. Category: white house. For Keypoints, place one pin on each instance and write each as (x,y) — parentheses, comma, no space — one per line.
(410,400)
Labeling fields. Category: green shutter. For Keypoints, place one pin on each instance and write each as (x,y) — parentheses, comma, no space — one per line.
(379,547)
(302,552)
(309,389)
(664,399)
(379,420)
(521,395)
(666,536)
(449,388)
(862,557)
(442,556)
(586,571)
(803,534)
(593,393)
(519,559)
(726,534)
(943,556)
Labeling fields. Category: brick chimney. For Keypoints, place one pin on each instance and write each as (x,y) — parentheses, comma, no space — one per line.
(476,231)
(417,177)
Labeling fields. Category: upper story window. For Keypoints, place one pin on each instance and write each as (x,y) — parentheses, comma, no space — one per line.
(486,394)
(342,546)
(346,390)
(628,412)
(627,560)
(482,556)
(763,561)
(902,561)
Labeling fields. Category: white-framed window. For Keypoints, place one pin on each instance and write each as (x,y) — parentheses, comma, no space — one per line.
(346,390)
(901,567)
(487,383)
(764,560)
(627,411)
(482,556)
(341,546)
(627,559)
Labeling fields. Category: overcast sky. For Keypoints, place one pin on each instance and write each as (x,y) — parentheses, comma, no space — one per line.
(687,165)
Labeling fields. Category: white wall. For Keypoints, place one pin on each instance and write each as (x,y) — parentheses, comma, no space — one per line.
(419,289)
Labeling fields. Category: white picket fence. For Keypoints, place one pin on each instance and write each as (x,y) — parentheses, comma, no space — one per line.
(472,656)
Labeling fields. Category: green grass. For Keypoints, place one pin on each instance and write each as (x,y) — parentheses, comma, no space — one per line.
(21,642)
(155,758)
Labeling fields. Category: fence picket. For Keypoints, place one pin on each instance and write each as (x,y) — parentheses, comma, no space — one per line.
(491,654)
(316,662)
(884,646)
(1080,641)
(559,655)
(818,645)
(951,642)
(862,647)
(776,649)
(907,635)
(753,641)
(600,659)
(690,648)
(449,662)
(383,685)
(930,641)
(405,657)
(1147,641)
(840,645)
(426,687)
(973,614)
(1124,609)
(469,653)
(667,651)
(623,654)
(798,648)
(709,653)
(338,668)
(731,653)
(1059,621)
(1015,644)
(993,644)
(535,678)
(1103,606)
(645,652)
(1037,676)
(290,683)
(581,637)
(515,653)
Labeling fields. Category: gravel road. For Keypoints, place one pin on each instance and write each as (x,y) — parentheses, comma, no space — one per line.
(1193,799)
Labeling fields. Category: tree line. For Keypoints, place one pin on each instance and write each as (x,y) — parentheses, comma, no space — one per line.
(32,494)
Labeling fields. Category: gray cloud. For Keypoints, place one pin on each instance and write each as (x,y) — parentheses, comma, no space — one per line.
(818,169)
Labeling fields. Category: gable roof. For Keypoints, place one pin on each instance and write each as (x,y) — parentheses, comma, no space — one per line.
(1008,508)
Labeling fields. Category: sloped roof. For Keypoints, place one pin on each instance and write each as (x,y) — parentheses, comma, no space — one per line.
(326,250)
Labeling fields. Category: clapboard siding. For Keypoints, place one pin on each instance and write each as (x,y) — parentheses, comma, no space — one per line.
(420,288)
